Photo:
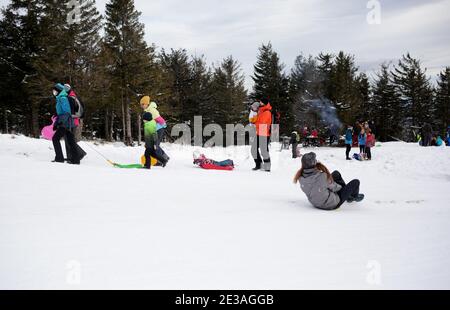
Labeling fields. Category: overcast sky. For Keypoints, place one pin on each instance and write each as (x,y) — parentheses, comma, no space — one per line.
(218,28)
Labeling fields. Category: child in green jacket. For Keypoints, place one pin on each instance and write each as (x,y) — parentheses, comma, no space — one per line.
(151,137)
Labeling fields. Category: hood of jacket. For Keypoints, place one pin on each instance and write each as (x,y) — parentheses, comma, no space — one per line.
(265,108)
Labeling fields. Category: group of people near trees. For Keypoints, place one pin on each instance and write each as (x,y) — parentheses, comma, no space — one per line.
(428,137)
(365,138)
(324,190)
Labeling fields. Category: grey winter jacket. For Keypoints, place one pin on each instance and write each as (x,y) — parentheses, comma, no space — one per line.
(320,192)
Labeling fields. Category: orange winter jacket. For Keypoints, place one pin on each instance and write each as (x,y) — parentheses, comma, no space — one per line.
(264,121)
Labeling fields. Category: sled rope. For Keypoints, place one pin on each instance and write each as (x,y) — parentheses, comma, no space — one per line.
(109,161)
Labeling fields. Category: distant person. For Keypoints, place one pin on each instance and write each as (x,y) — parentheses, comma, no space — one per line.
(427,134)
(295,140)
(362,138)
(260,147)
(448,136)
(324,190)
(77,108)
(348,141)
(151,136)
(151,107)
(370,143)
(63,125)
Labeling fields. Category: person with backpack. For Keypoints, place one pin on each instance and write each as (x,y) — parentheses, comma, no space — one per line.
(77,108)
(63,125)
(161,125)
(325,190)
(260,146)
(370,143)
(348,141)
(151,137)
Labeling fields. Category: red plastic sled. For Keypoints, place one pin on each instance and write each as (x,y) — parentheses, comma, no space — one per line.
(214,167)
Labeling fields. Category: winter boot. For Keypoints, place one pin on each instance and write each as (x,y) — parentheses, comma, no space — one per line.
(266,166)
(358,198)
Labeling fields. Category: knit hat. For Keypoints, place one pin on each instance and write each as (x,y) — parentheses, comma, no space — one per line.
(147,116)
(309,160)
(265,101)
(255,106)
(145,100)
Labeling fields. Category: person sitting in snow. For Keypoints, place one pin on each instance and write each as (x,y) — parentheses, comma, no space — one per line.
(325,190)
(151,137)
(206,163)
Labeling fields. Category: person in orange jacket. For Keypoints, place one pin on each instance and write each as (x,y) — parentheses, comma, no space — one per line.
(261,143)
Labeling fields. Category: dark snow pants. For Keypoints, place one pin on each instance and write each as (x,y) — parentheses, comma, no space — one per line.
(159,150)
(151,151)
(368,152)
(60,133)
(80,152)
(348,190)
(294,150)
(347,152)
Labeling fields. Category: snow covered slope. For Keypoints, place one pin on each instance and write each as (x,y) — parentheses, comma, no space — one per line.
(94,226)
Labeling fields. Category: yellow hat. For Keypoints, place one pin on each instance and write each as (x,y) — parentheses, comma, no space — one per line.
(145,100)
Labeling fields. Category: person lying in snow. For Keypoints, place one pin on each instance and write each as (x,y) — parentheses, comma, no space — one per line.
(209,164)
(325,190)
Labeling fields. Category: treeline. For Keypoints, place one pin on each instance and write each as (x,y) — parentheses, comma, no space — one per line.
(108,62)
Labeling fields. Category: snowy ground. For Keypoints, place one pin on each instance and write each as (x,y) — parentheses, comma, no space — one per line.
(94,226)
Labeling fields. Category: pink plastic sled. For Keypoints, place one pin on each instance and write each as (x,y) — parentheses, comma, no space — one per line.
(47,132)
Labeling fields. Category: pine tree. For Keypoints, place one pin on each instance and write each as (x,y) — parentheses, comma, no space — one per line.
(176,71)
(124,36)
(415,90)
(13,61)
(199,89)
(386,109)
(229,94)
(272,83)
(306,84)
(442,113)
(32,22)
(82,50)
(363,107)
(325,66)
(344,87)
